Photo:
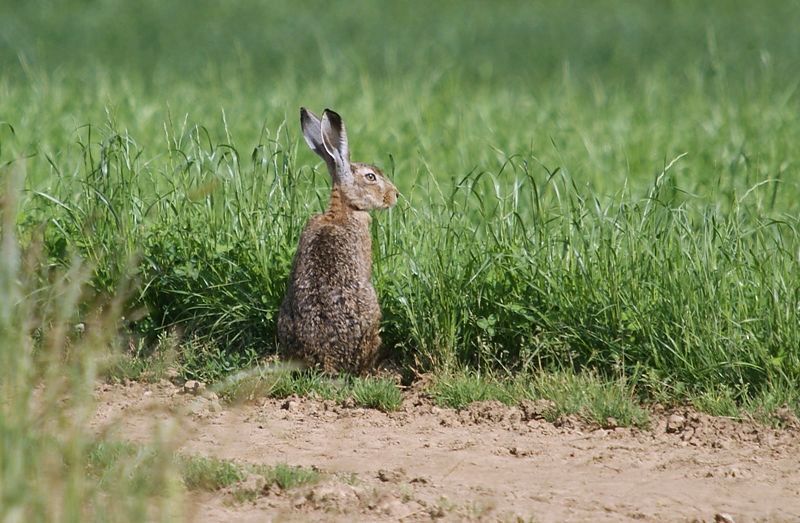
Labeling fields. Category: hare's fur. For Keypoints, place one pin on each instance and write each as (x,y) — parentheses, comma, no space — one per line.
(330,317)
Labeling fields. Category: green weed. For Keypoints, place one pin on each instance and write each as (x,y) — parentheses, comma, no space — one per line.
(588,397)
(276,381)
(202,473)
(460,389)
(196,472)
(583,395)
(51,467)
(381,394)
(289,477)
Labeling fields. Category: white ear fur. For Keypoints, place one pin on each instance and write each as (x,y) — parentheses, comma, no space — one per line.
(334,139)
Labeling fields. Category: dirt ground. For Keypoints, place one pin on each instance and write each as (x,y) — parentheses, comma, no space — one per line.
(489,462)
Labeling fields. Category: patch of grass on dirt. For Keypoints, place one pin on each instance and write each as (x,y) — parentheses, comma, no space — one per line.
(197,472)
(192,358)
(288,476)
(457,390)
(211,474)
(775,407)
(205,360)
(203,473)
(279,381)
(106,460)
(376,393)
(717,403)
(582,395)
(281,475)
(590,398)
(272,380)
(143,364)
(309,384)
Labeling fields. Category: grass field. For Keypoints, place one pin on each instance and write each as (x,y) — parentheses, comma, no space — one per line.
(608,190)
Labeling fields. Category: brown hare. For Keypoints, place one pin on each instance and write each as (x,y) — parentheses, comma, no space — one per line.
(330,317)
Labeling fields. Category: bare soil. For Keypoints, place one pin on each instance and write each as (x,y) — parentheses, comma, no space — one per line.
(489,462)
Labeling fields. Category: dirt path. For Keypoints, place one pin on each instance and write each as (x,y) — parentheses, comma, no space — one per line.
(487,463)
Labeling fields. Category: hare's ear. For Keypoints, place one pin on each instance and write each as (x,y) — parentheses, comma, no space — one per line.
(334,138)
(312,132)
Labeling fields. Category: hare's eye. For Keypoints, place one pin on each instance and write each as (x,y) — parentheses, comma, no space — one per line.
(370,176)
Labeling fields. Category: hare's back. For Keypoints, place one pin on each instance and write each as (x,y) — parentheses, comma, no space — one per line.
(335,253)
(332,271)
(332,298)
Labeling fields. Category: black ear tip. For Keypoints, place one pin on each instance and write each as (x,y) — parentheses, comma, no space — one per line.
(332,115)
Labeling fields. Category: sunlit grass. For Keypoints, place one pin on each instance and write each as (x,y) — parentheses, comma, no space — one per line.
(280,381)
(48,370)
(197,473)
(593,400)
(602,205)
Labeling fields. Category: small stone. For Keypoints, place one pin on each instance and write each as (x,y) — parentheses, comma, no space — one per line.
(675,423)
(723,517)
(536,410)
(392,476)
(194,387)
(611,423)
(737,472)
(289,405)
(330,497)
(787,417)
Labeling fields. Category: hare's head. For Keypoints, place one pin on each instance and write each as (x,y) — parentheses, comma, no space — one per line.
(362,186)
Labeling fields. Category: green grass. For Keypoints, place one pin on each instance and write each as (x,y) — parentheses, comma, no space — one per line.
(586,396)
(620,202)
(459,390)
(378,394)
(142,363)
(196,472)
(204,473)
(277,381)
(590,398)
(288,477)
(51,467)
